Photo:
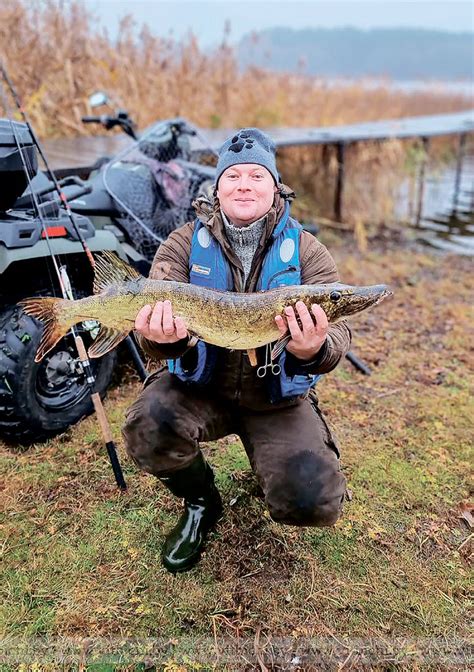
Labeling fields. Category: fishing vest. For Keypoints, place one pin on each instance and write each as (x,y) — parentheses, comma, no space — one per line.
(208,267)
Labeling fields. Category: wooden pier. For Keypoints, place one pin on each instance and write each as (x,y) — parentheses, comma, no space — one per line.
(83,151)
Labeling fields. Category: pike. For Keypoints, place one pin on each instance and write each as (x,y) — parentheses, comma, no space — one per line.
(234,320)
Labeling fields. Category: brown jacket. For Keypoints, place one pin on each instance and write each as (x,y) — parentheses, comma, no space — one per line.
(234,376)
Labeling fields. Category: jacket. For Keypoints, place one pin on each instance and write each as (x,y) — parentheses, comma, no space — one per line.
(235,377)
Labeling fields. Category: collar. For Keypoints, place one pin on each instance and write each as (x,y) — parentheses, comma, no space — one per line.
(227,223)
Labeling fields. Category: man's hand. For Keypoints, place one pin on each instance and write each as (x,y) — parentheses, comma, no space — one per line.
(157,324)
(307,340)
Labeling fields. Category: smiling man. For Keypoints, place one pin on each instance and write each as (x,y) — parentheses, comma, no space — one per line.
(244,241)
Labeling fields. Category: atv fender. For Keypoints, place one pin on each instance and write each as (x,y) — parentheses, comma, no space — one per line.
(102,240)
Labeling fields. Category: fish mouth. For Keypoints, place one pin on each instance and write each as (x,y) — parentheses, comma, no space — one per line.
(373,290)
(375,294)
(362,298)
(382,292)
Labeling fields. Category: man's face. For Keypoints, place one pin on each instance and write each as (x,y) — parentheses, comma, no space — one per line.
(246,192)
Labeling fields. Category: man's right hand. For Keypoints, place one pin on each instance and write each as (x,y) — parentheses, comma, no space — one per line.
(158,324)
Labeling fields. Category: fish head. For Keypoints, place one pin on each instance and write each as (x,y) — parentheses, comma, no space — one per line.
(344,300)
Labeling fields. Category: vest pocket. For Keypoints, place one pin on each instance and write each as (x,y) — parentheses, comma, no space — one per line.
(280,278)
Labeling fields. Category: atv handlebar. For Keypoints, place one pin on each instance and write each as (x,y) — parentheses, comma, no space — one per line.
(122,119)
(26,201)
(87,189)
(91,120)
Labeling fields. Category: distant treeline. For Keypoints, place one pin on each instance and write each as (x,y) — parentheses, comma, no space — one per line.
(350,52)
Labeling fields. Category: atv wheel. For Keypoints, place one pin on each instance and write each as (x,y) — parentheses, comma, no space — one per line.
(39,400)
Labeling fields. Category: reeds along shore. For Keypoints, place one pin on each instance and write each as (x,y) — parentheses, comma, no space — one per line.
(57,56)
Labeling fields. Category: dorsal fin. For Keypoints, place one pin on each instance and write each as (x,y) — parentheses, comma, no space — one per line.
(110,269)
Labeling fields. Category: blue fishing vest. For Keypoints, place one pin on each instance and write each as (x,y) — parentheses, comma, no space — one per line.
(208,267)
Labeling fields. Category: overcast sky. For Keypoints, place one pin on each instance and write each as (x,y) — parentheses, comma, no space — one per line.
(207,19)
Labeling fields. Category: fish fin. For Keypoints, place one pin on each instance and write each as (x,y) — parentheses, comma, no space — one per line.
(252,355)
(47,310)
(280,346)
(110,269)
(107,339)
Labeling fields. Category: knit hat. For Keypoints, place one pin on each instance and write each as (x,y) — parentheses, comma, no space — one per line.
(249,145)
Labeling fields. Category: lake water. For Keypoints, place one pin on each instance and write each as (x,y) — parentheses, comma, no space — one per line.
(447,222)
(447,88)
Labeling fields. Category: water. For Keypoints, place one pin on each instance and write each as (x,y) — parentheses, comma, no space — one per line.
(438,87)
(447,221)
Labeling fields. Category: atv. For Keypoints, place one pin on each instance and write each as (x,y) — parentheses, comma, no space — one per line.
(127,204)
(147,190)
(38,400)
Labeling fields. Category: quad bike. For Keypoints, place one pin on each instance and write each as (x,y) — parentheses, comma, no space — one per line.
(38,400)
(128,205)
(146,191)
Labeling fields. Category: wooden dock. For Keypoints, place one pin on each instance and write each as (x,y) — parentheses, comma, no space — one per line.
(84,150)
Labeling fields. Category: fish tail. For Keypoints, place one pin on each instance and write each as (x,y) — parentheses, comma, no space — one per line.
(56,323)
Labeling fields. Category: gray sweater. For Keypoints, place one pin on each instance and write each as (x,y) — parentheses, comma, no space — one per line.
(244,240)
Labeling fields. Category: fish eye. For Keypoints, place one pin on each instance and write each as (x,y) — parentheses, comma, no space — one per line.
(335,296)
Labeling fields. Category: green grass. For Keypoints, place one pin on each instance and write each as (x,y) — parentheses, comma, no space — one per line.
(80,559)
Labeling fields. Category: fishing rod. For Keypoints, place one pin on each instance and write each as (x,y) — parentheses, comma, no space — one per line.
(62,276)
(133,350)
(51,175)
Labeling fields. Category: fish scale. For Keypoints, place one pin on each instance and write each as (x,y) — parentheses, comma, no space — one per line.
(234,320)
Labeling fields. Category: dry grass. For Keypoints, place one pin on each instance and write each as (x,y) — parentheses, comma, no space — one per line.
(57,56)
(81,560)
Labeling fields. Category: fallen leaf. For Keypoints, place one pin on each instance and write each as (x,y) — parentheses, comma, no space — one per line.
(466,513)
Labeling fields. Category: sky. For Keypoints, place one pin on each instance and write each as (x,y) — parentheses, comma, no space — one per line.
(207,19)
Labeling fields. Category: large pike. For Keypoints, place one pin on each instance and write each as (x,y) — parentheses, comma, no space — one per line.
(238,321)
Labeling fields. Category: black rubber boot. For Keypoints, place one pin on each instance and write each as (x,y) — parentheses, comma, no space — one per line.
(202,509)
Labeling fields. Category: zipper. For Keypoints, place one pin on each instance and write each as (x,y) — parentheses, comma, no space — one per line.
(239,288)
(261,255)
(290,269)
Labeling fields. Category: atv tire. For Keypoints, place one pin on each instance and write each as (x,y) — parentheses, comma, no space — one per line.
(39,400)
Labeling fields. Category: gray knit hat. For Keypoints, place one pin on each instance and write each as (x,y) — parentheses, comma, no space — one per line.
(249,145)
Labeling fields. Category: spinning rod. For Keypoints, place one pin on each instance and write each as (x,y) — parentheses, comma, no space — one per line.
(61,272)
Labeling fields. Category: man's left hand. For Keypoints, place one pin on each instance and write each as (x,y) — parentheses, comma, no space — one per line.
(307,339)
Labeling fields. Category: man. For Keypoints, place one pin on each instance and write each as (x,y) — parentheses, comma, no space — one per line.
(244,241)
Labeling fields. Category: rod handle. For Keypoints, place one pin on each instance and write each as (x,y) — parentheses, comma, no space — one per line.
(101,417)
(96,400)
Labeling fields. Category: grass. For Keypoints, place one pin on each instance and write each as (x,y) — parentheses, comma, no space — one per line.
(388,585)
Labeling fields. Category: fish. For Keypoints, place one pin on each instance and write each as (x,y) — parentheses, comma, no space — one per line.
(233,320)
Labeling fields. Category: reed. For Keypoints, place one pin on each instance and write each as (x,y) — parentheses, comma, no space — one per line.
(57,55)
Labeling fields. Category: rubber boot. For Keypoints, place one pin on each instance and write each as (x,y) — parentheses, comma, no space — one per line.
(202,509)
